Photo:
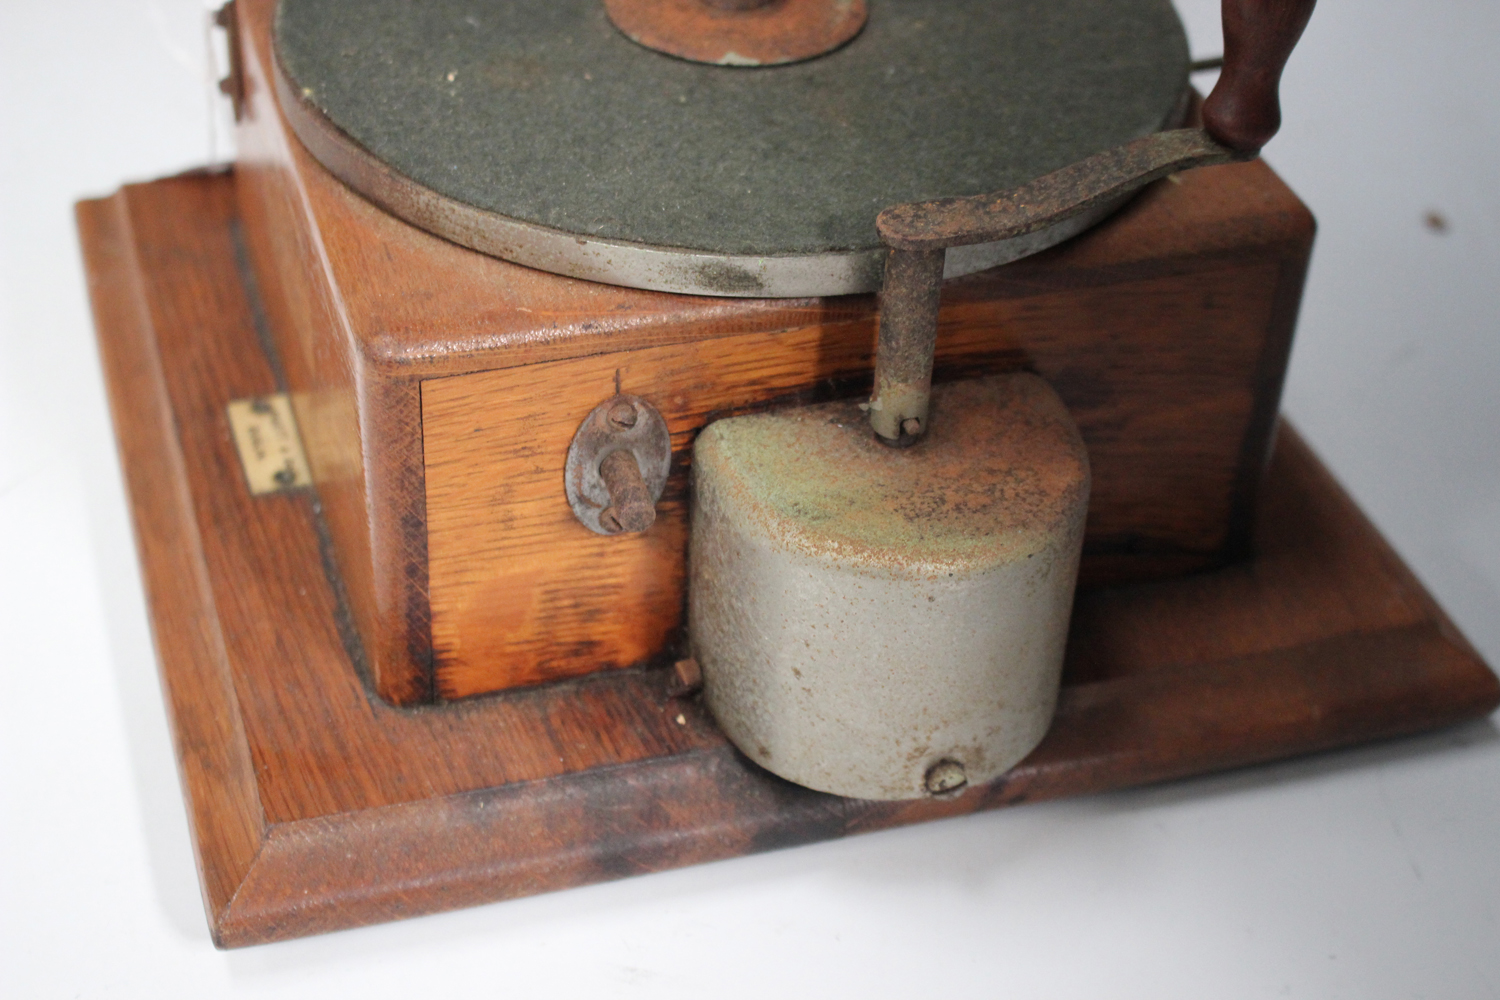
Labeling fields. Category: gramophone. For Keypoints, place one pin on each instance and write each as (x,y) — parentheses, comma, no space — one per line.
(578,439)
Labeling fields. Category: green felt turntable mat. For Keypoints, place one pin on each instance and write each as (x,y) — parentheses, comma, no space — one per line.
(540,111)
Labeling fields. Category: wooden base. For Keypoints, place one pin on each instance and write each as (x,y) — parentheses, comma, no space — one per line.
(316,806)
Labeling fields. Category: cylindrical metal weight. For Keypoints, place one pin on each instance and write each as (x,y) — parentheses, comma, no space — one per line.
(888,624)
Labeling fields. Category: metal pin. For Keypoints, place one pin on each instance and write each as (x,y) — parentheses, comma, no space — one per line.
(908,335)
(630,508)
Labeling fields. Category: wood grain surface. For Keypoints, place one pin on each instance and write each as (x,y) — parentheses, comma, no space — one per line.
(416,368)
(521,592)
(317,806)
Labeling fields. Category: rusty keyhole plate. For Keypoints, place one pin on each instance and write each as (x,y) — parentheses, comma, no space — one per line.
(620,423)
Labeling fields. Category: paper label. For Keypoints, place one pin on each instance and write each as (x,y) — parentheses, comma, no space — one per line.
(265,432)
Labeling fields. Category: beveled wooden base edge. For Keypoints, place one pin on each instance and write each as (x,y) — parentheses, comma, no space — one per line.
(711,805)
(218,778)
(265,881)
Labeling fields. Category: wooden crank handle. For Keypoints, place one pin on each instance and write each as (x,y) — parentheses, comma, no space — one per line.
(1243,112)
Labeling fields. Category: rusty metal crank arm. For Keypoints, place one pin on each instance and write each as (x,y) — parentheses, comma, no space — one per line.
(1239,116)
(920,234)
(1052,198)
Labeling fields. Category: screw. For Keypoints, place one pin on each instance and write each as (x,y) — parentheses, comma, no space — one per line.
(610,521)
(946,776)
(911,426)
(622,416)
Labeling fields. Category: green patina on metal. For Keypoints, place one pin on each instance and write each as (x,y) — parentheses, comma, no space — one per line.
(999,477)
(539,110)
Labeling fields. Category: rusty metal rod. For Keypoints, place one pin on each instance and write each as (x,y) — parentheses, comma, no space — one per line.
(630,508)
(908,334)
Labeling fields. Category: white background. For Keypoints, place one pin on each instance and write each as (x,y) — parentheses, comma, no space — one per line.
(1371,873)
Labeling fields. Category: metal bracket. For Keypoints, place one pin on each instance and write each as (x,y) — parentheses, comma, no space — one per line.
(610,494)
(233,85)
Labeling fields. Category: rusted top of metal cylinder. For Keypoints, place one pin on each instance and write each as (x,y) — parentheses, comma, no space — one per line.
(998,475)
(739,32)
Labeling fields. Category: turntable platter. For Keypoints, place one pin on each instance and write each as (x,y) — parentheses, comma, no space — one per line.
(535,131)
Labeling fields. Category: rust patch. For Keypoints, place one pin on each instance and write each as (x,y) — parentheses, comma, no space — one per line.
(739,32)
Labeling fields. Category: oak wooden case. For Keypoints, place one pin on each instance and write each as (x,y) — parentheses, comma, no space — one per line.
(437,390)
(314,805)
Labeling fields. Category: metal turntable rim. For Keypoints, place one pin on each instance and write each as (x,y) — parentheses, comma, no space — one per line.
(657,264)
